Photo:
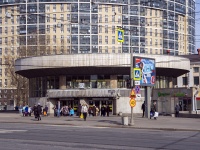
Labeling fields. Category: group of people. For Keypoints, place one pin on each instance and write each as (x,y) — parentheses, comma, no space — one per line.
(93,111)
(64,111)
(153,110)
(36,110)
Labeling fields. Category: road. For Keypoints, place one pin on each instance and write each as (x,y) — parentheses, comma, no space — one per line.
(61,137)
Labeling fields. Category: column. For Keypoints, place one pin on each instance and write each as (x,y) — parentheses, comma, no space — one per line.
(62,82)
(113,81)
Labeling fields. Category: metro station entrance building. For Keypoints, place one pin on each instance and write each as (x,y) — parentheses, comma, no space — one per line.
(95,79)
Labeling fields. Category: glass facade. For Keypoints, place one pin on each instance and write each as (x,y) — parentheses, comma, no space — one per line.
(48,27)
(39,86)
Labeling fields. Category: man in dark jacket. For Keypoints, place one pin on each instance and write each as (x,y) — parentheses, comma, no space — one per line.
(107,110)
(39,111)
(177,109)
(94,110)
(35,110)
(143,109)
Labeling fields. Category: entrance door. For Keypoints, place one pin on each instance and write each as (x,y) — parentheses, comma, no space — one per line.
(181,105)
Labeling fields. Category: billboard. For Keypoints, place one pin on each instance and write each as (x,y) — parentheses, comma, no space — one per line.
(148,70)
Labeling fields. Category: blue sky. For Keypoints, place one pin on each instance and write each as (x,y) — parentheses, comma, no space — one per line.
(197,25)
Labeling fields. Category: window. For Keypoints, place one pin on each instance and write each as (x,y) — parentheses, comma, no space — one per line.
(100,49)
(119,49)
(106,8)
(54,8)
(196,69)
(106,39)
(48,18)
(62,17)
(113,49)
(54,17)
(100,8)
(113,18)
(100,39)
(106,18)
(113,8)
(100,18)
(113,39)
(54,28)
(184,80)
(54,39)
(106,49)
(100,28)
(113,29)
(47,8)
(196,80)
(6,30)
(106,28)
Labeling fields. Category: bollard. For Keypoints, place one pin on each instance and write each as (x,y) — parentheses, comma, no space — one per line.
(125,120)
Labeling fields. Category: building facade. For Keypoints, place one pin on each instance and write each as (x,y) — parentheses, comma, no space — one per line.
(99,79)
(48,27)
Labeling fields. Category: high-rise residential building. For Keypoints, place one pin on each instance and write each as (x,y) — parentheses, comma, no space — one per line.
(48,27)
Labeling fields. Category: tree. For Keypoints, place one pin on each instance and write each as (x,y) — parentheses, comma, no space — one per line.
(20,84)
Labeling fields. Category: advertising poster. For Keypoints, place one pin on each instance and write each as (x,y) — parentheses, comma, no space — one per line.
(148,70)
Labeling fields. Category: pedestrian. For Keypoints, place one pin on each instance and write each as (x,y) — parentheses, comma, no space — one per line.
(107,110)
(177,109)
(103,111)
(39,111)
(35,110)
(79,110)
(46,110)
(90,112)
(55,111)
(84,111)
(71,112)
(153,110)
(97,111)
(143,109)
(94,110)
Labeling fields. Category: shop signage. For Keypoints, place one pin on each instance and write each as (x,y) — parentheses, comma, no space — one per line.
(163,94)
(169,94)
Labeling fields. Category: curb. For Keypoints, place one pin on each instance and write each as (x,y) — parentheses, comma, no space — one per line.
(108,126)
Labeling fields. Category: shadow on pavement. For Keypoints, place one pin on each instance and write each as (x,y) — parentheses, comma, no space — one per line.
(110,121)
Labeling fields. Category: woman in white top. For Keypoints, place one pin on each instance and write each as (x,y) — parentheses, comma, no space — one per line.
(84,110)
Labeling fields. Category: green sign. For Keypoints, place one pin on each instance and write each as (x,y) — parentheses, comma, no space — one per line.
(163,94)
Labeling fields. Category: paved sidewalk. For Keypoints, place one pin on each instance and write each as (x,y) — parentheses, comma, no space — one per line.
(162,123)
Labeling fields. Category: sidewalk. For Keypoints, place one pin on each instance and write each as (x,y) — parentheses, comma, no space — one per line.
(162,123)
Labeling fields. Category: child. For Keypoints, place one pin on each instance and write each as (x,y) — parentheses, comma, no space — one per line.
(71,112)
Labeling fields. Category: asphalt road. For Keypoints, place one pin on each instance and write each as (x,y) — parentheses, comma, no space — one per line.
(55,137)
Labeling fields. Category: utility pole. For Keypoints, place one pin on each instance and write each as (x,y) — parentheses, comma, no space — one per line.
(131,76)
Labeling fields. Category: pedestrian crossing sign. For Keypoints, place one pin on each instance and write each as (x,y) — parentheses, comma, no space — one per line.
(120,35)
(137,74)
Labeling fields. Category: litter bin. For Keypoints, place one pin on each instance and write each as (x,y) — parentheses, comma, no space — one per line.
(125,120)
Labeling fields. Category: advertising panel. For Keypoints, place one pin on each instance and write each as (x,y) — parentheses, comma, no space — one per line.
(148,70)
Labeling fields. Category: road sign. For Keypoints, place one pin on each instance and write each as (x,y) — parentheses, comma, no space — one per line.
(137,82)
(137,74)
(137,89)
(120,35)
(132,102)
(132,94)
